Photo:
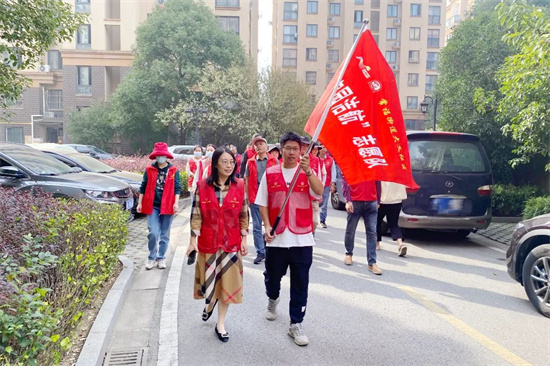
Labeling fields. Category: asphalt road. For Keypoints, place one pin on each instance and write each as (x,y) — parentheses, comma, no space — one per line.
(449,302)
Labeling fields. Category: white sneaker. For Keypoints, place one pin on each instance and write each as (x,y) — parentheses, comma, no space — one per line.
(161,264)
(150,264)
(271,313)
(296,332)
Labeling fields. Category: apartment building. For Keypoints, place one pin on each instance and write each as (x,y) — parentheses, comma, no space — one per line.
(76,74)
(311,39)
(456,11)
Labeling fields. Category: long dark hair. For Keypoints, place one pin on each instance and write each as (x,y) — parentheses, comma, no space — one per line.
(213,177)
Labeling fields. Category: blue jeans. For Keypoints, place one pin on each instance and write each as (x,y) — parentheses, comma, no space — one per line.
(324,205)
(259,241)
(159,234)
(368,210)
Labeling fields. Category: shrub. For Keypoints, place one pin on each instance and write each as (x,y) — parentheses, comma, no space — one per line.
(509,200)
(536,206)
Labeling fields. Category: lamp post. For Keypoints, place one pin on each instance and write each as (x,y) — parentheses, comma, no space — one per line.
(33,116)
(424,106)
(194,113)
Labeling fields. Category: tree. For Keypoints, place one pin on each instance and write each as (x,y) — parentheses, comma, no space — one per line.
(172,48)
(28,28)
(92,126)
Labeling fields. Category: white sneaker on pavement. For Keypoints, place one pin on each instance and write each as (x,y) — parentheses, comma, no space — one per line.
(150,264)
(161,264)
(296,332)
(271,313)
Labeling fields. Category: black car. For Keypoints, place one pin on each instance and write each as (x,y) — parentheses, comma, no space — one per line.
(528,260)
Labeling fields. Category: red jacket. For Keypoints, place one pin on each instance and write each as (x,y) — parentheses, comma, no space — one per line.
(168,196)
(253,176)
(221,227)
(298,213)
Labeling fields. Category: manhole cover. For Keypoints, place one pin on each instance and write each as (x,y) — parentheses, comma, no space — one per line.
(126,357)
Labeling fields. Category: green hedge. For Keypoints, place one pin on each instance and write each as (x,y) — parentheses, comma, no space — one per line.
(536,206)
(63,253)
(509,200)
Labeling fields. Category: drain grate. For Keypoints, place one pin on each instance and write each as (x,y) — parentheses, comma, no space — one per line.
(125,357)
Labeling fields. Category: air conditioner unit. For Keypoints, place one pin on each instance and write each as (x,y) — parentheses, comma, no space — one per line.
(395,67)
(330,20)
(396,44)
(44,68)
(329,66)
(330,44)
(49,115)
(397,21)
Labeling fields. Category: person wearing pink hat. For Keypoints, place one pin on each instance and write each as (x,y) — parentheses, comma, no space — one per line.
(158,199)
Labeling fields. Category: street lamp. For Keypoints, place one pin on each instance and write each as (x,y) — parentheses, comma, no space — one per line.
(424,106)
(194,113)
(32,125)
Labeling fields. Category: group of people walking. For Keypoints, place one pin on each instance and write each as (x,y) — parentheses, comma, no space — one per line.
(227,186)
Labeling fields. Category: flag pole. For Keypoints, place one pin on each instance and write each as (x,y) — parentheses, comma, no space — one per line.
(321,123)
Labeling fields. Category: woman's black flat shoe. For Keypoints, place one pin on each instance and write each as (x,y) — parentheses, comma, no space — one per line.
(222,337)
(207,315)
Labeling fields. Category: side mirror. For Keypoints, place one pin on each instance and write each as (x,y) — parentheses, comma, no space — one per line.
(11,171)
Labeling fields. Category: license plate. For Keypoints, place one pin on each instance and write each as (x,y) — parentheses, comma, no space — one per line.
(446,206)
(129,203)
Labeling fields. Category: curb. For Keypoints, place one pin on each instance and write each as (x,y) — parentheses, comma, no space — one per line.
(93,352)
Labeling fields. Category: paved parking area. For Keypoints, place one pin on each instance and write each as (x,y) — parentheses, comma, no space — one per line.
(499,231)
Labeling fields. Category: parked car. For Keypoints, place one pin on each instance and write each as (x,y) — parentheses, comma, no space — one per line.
(528,260)
(25,168)
(72,158)
(455,179)
(182,151)
(94,152)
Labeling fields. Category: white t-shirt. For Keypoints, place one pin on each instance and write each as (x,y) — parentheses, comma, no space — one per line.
(287,238)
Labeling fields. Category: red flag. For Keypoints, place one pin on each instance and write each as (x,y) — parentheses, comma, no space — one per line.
(364,129)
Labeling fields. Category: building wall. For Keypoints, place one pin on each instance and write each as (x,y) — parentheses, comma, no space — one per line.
(455,12)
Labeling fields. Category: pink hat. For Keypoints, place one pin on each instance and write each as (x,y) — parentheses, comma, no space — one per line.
(161,149)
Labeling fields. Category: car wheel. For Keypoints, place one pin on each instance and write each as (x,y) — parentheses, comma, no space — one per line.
(536,272)
(336,203)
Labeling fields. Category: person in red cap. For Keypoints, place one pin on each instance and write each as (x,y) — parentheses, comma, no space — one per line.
(158,199)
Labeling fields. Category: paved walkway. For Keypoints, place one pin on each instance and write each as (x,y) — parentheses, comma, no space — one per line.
(499,231)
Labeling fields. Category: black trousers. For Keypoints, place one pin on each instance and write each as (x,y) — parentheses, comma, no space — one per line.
(299,259)
(392,213)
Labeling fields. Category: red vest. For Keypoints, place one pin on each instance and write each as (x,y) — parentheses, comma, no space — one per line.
(328,161)
(253,176)
(192,169)
(315,166)
(298,214)
(168,196)
(221,227)
(238,161)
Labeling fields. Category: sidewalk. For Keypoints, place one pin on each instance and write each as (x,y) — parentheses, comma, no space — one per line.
(500,230)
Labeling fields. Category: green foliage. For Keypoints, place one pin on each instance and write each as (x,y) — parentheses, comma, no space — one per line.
(509,200)
(536,206)
(92,126)
(28,28)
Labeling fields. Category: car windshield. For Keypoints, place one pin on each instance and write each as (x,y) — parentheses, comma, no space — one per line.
(39,162)
(91,164)
(98,150)
(446,156)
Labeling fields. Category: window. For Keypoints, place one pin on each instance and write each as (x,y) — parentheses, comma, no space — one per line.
(290,34)
(290,11)
(358,18)
(82,6)
(54,60)
(433,37)
(410,124)
(359,2)
(290,57)
(391,34)
(416,10)
(55,99)
(431,60)
(412,102)
(311,77)
(333,55)
(412,80)
(229,24)
(228,3)
(414,57)
(15,134)
(334,32)
(311,54)
(84,80)
(312,7)
(430,83)
(392,11)
(334,9)
(414,33)
(434,15)
(391,57)
(311,30)
(83,40)
(355,37)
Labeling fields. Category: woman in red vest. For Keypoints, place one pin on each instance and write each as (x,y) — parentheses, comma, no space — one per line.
(192,166)
(219,225)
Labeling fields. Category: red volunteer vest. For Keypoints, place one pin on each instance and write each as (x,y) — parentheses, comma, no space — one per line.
(253,176)
(298,214)
(221,227)
(328,161)
(192,169)
(168,196)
